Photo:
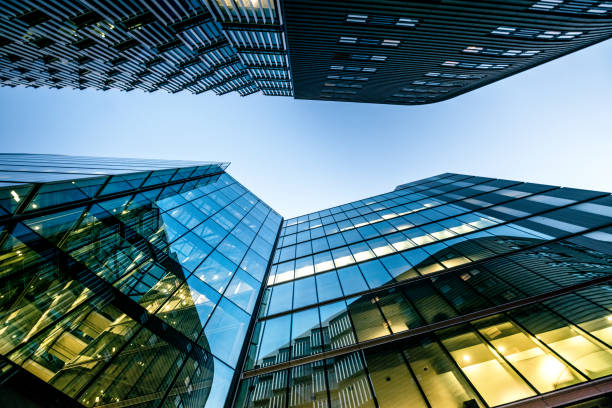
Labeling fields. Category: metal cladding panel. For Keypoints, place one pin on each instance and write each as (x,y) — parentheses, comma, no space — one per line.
(416,52)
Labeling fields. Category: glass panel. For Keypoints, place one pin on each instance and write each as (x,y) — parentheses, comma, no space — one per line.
(391,378)
(268,390)
(190,307)
(429,303)
(588,315)
(494,379)
(441,382)
(398,266)
(222,379)
(243,290)
(274,345)
(535,362)
(328,286)
(225,332)
(305,292)
(351,280)
(375,273)
(281,298)
(368,322)
(586,354)
(305,333)
(398,312)
(348,383)
(307,387)
(216,271)
(336,326)
(254,264)
(303,267)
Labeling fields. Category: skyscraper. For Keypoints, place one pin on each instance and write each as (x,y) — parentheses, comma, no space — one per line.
(390,51)
(143,283)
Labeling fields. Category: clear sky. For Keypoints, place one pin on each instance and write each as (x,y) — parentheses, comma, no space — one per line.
(550,124)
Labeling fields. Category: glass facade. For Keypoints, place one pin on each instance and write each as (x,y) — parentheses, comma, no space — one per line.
(145,283)
(457,290)
(132,288)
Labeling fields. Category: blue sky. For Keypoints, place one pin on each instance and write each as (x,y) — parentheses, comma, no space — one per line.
(550,124)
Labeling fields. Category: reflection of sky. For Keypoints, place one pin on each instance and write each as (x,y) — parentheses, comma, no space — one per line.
(211,259)
(548,124)
(220,386)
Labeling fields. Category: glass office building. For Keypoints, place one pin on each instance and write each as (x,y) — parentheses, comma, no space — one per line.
(126,282)
(387,51)
(137,283)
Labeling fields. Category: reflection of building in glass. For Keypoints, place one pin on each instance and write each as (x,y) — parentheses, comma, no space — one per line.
(407,53)
(126,282)
(454,291)
(137,283)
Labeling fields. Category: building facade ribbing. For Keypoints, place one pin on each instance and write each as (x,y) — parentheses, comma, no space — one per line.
(391,51)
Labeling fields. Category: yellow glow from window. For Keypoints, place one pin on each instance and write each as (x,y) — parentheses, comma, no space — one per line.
(15,196)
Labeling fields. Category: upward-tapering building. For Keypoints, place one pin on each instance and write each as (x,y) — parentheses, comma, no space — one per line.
(389,51)
(143,283)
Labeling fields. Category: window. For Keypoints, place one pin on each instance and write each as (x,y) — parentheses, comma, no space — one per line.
(351,68)
(368,41)
(434,83)
(455,76)
(359,57)
(462,64)
(348,77)
(381,20)
(592,7)
(535,33)
(347,40)
(500,52)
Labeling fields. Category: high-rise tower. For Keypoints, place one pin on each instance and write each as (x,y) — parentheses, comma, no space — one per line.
(388,51)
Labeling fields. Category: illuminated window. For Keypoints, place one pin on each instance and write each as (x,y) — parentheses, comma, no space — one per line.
(530,357)
(494,379)
(473,65)
(535,33)
(381,20)
(593,7)
(500,52)
(456,76)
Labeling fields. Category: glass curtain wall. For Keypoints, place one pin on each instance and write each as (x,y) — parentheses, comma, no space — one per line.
(458,286)
(133,289)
